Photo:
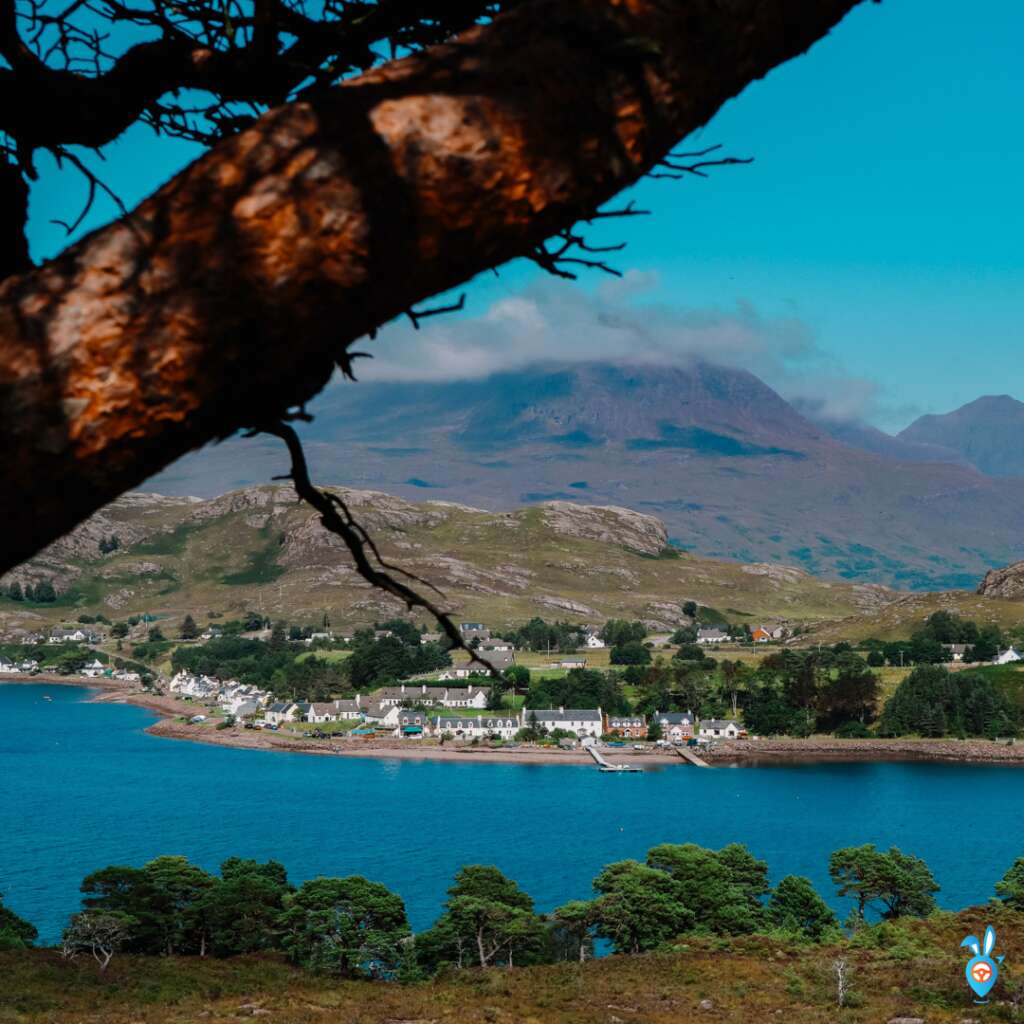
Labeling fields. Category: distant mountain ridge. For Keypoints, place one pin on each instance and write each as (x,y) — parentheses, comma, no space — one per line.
(733,469)
(988,433)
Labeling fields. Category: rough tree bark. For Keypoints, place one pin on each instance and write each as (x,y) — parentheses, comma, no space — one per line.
(229,294)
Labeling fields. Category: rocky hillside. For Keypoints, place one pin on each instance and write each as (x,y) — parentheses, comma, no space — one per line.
(258,548)
(1007,582)
(732,469)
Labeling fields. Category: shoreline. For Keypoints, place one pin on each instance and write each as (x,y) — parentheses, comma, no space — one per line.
(730,753)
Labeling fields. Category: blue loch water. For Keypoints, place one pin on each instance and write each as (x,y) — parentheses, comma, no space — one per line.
(82,786)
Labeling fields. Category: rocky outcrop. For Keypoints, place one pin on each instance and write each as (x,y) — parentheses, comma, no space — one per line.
(781,573)
(1007,582)
(252,500)
(608,524)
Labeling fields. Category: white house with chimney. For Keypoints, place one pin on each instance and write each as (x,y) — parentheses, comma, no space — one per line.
(579,721)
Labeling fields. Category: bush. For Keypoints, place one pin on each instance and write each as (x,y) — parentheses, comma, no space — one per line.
(853,731)
(631,653)
(15,932)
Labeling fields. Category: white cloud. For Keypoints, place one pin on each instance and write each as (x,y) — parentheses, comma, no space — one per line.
(551,321)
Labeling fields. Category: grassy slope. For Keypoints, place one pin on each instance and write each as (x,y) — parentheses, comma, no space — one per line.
(915,971)
(233,555)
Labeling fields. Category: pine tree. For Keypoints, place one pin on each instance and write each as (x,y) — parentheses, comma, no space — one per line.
(278,641)
(14,591)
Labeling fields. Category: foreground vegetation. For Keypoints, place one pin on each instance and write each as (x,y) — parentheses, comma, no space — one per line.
(355,928)
(914,968)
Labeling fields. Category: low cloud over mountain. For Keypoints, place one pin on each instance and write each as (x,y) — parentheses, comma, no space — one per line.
(618,323)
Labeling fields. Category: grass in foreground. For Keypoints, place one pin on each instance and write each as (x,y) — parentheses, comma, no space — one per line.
(909,969)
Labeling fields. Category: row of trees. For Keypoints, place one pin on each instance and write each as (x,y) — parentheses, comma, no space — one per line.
(789,692)
(539,635)
(933,701)
(42,592)
(796,693)
(925,646)
(277,665)
(580,688)
(399,656)
(352,927)
(274,667)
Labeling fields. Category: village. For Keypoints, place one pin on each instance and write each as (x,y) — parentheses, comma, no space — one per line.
(488,694)
(450,705)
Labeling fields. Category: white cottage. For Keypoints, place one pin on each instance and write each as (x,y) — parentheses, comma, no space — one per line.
(719,729)
(579,721)
(473,727)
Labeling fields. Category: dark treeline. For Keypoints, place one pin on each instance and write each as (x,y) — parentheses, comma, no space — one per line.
(934,702)
(926,645)
(352,927)
(274,666)
(789,692)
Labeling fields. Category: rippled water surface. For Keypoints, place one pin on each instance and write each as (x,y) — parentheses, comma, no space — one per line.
(82,786)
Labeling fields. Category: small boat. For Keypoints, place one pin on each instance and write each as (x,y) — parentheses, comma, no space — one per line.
(46,696)
(619,768)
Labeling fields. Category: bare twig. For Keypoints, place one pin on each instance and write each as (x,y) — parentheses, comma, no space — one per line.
(60,155)
(675,169)
(417,315)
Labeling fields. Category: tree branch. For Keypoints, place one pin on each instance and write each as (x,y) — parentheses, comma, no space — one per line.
(336,517)
(46,106)
(241,283)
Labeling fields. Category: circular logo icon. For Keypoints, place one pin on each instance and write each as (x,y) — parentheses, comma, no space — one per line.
(981,972)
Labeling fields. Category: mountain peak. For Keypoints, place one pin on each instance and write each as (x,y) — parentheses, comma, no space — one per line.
(986,432)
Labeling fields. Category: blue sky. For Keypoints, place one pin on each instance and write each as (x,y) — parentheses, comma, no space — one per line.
(882,213)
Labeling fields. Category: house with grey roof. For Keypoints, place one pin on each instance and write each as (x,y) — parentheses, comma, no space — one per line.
(325,711)
(347,710)
(719,729)
(571,661)
(279,712)
(246,709)
(580,721)
(629,727)
(676,726)
(465,697)
(410,693)
(495,643)
(711,635)
(498,659)
(476,727)
(382,716)
(411,725)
